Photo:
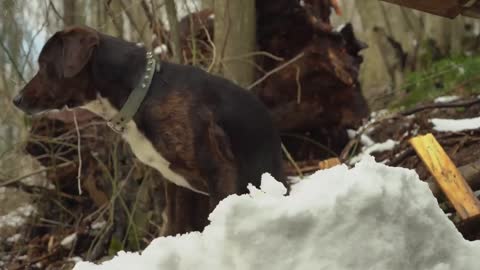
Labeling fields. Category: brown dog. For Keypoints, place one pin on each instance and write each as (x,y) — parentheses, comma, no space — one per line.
(200,131)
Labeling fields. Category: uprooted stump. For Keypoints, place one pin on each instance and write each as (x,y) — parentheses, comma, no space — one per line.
(313,93)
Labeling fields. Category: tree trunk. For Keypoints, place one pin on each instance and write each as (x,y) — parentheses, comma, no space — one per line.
(235,38)
(68,12)
(207,4)
(174,32)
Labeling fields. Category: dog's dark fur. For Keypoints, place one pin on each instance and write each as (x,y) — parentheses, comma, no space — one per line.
(214,133)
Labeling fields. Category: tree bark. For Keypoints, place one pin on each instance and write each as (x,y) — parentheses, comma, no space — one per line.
(235,38)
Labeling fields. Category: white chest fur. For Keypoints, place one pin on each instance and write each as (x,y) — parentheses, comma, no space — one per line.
(140,145)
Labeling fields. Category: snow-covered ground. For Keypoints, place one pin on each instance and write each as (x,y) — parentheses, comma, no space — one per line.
(369,217)
(17,217)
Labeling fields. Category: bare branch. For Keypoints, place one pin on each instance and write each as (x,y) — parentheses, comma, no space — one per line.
(12,61)
(273,71)
(132,19)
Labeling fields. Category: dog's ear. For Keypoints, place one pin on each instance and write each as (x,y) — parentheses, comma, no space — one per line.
(78,45)
(52,56)
(68,51)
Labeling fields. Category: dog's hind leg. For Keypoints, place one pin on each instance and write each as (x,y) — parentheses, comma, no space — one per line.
(185,210)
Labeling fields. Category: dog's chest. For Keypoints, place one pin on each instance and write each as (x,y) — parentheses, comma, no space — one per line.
(141,146)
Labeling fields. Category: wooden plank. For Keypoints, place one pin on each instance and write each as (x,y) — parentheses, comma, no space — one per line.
(309,166)
(447,176)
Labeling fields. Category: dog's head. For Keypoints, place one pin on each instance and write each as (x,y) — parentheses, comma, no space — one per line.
(63,77)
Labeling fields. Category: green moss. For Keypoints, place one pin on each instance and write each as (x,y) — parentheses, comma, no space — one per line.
(447,76)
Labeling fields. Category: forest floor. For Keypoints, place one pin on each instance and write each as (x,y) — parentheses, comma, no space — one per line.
(384,136)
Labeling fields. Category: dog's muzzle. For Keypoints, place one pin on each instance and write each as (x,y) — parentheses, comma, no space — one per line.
(17,101)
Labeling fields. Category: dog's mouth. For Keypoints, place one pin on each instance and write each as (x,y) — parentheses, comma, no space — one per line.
(33,112)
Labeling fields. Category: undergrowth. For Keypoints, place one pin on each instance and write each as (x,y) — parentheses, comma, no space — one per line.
(458,75)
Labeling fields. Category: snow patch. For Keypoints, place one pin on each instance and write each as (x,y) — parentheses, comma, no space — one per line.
(98,225)
(369,217)
(446,99)
(17,217)
(14,238)
(75,259)
(67,242)
(366,140)
(455,125)
(374,148)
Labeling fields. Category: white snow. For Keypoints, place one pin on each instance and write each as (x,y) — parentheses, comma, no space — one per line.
(14,238)
(98,225)
(67,242)
(75,259)
(455,125)
(373,148)
(351,133)
(370,217)
(17,217)
(366,140)
(446,99)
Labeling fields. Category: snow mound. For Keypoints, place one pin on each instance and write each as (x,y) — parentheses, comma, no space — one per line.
(455,125)
(368,217)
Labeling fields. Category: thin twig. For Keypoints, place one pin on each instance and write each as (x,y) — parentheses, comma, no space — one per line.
(214,50)
(79,172)
(299,84)
(55,10)
(30,46)
(131,18)
(12,61)
(246,55)
(20,178)
(441,105)
(282,66)
(290,158)
(115,22)
(312,141)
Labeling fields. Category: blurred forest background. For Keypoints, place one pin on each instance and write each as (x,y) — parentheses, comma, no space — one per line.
(410,56)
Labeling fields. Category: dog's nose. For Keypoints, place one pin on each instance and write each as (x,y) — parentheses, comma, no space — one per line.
(18,100)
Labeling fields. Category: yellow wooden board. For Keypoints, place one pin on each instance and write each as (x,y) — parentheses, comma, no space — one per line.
(328,163)
(447,176)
